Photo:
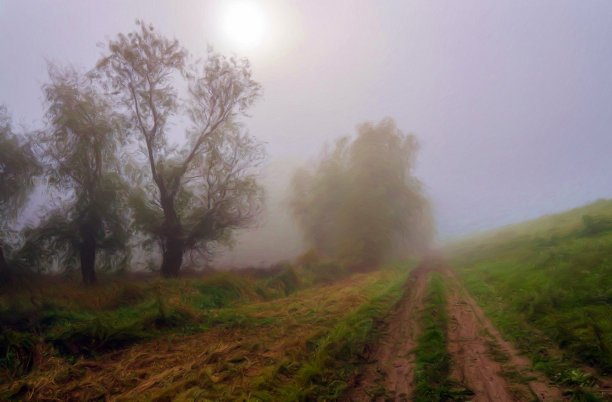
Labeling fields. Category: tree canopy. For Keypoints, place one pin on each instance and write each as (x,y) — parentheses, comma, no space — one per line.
(18,167)
(80,150)
(360,202)
(194,194)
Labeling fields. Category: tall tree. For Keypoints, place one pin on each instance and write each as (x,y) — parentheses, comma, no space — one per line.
(361,202)
(80,149)
(18,167)
(201,191)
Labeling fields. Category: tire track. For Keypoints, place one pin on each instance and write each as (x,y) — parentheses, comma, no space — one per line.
(472,342)
(390,375)
(482,361)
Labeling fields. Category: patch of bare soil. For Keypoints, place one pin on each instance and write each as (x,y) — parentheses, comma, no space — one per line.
(483,361)
(390,373)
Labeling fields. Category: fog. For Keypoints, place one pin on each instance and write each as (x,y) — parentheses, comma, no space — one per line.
(509,101)
(274,237)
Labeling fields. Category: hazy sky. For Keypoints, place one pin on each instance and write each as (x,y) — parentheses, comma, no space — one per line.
(511,100)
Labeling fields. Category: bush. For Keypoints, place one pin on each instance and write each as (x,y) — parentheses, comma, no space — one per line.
(220,289)
(286,280)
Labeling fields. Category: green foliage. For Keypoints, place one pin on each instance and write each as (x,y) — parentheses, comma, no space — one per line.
(18,167)
(360,203)
(220,289)
(80,150)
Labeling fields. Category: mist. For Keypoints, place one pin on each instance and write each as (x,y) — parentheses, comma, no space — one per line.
(274,237)
(305,200)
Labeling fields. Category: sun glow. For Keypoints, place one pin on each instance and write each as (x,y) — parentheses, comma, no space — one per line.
(244,23)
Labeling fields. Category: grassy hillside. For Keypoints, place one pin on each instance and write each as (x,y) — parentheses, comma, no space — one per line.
(547,284)
(295,331)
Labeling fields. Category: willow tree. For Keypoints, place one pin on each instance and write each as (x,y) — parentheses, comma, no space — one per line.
(18,167)
(80,149)
(361,202)
(199,191)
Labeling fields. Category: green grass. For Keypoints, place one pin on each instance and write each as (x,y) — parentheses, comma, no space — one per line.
(338,352)
(547,284)
(433,362)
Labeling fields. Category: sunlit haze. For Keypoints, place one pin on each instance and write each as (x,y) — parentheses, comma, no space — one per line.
(245,23)
(509,100)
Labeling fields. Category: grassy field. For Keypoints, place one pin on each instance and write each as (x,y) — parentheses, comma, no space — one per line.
(294,332)
(547,285)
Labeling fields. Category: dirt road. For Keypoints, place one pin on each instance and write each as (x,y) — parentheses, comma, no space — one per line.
(390,375)
(482,361)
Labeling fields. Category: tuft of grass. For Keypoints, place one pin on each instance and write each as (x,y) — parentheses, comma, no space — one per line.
(18,352)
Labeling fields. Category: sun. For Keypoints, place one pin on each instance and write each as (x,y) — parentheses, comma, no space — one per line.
(244,23)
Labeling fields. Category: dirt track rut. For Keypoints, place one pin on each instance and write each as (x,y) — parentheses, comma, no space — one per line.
(390,375)
(482,361)
(473,342)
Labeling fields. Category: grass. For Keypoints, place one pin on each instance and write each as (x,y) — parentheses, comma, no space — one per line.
(547,285)
(433,362)
(224,336)
(337,353)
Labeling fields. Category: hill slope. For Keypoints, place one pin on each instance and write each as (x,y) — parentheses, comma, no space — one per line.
(547,284)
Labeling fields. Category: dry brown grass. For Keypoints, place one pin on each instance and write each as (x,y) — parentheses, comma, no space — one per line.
(260,351)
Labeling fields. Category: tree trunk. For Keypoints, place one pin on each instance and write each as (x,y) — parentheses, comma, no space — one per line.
(88,255)
(172,257)
(174,245)
(5,273)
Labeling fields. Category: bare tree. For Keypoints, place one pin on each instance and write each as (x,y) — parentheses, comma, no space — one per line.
(200,192)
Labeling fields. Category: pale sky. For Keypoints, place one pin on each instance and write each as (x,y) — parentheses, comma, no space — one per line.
(511,100)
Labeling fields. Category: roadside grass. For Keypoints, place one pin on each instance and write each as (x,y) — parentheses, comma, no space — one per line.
(433,362)
(59,316)
(336,354)
(221,337)
(548,288)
